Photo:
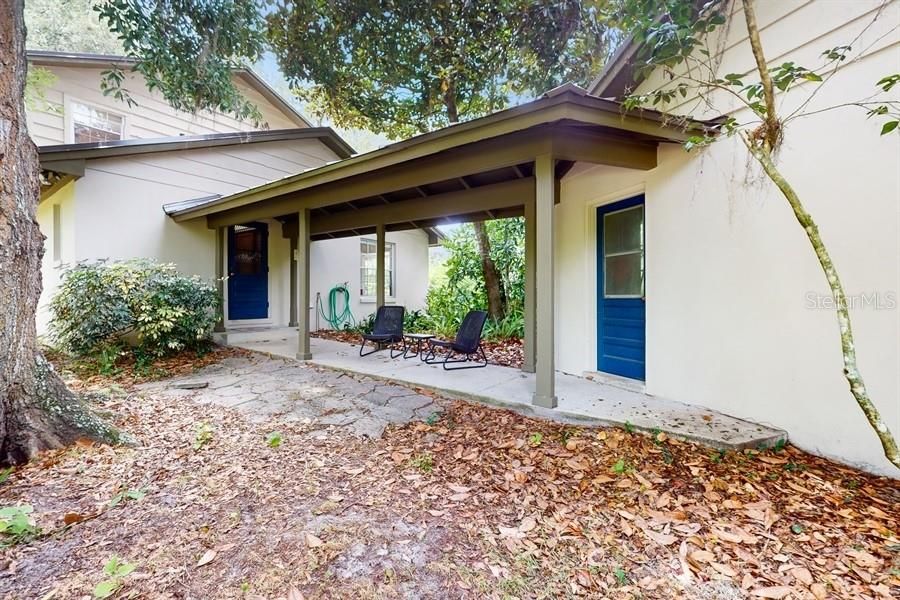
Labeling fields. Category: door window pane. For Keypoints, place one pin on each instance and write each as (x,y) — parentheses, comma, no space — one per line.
(248,250)
(623,253)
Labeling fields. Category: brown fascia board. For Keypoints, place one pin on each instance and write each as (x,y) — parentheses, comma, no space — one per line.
(618,74)
(64,59)
(421,145)
(94,150)
(617,77)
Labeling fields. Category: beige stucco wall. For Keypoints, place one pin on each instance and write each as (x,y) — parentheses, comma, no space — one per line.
(731,278)
(151,118)
(116,212)
(338,261)
(50,267)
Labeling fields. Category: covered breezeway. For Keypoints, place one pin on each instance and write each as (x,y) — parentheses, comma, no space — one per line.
(507,164)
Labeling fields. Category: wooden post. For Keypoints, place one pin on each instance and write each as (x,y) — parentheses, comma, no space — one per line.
(530,290)
(293,308)
(545,200)
(303,352)
(379,265)
(220,276)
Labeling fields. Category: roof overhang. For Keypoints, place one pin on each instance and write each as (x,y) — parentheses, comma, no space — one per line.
(477,169)
(62,153)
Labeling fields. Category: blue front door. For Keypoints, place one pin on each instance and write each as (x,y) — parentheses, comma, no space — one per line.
(248,271)
(620,288)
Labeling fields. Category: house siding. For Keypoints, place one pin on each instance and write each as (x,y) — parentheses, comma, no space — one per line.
(730,274)
(151,118)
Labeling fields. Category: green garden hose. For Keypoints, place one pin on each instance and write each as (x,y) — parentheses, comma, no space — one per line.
(337,320)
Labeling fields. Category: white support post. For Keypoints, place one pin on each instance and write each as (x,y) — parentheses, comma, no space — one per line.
(545,200)
(379,265)
(303,352)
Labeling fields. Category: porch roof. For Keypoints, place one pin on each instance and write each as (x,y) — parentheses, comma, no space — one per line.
(476,170)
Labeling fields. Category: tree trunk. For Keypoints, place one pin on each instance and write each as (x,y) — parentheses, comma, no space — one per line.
(761,144)
(493,283)
(37,412)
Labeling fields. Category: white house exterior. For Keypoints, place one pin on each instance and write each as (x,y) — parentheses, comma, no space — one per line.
(127,164)
(682,274)
(738,313)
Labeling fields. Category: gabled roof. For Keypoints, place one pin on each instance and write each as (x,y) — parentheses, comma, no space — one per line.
(54,58)
(67,152)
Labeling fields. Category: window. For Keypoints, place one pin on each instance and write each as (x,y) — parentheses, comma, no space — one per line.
(367,269)
(623,253)
(93,124)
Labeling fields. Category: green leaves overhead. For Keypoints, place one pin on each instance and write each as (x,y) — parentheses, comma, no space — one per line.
(187,49)
(408,67)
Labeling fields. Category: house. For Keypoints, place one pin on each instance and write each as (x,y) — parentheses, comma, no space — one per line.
(683,274)
(112,172)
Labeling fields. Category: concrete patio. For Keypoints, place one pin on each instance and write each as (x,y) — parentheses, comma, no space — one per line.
(581,400)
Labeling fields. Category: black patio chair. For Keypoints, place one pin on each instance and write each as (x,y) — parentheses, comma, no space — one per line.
(467,344)
(388,329)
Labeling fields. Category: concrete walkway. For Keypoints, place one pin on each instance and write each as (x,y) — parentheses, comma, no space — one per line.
(581,400)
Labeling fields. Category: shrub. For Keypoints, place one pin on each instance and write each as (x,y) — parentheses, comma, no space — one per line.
(100,305)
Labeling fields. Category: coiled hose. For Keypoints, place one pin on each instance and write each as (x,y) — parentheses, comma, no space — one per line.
(336,296)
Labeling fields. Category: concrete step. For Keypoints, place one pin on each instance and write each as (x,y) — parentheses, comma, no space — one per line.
(243,335)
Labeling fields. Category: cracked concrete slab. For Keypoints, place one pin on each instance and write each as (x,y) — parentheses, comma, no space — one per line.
(262,386)
(581,400)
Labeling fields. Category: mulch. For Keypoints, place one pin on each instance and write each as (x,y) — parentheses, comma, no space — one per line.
(505,353)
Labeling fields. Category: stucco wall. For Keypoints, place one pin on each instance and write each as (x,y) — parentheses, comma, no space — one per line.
(116,212)
(338,261)
(732,280)
(50,266)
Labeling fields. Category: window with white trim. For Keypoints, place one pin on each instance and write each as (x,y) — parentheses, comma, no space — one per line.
(368,270)
(92,124)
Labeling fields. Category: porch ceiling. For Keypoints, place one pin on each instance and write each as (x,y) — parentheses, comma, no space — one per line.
(474,171)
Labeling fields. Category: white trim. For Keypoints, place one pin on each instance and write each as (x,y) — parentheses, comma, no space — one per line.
(68,122)
(590,276)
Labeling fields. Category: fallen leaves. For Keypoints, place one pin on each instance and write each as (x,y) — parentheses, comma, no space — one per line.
(497,515)
(208,557)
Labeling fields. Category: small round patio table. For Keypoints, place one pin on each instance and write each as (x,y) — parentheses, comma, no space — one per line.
(419,341)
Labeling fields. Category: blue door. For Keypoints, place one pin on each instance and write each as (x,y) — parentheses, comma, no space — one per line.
(620,288)
(248,271)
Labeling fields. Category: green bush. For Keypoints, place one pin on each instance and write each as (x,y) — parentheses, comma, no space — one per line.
(101,305)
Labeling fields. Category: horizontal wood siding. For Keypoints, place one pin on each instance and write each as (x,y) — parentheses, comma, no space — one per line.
(792,30)
(151,118)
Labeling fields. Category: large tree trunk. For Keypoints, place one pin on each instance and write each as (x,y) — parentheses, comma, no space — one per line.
(493,283)
(37,412)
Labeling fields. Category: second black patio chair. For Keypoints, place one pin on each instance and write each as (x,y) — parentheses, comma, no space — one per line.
(387,330)
(467,344)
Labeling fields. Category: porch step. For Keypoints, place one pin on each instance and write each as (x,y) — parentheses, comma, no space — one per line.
(243,335)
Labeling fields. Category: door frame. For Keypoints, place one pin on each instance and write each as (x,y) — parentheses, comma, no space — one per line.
(226,257)
(591,282)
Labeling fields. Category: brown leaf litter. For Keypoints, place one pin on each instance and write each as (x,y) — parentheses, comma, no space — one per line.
(475,505)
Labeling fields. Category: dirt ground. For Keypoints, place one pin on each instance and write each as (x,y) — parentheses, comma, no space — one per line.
(474,502)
